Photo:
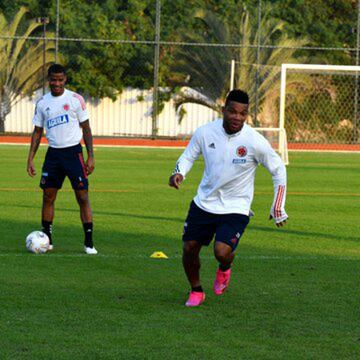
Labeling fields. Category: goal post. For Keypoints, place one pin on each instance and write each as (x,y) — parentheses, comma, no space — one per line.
(319,106)
(277,139)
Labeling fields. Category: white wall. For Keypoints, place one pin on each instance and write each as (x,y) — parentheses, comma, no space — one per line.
(126,116)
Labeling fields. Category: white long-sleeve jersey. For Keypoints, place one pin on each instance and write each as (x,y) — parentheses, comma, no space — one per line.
(227,185)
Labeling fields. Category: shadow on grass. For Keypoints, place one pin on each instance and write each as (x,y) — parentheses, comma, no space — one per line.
(305,233)
(68,240)
(270,230)
(108,213)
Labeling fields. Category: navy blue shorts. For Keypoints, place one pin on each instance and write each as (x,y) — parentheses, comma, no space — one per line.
(64,162)
(201,226)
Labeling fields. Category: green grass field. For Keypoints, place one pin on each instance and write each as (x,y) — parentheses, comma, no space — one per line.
(294,292)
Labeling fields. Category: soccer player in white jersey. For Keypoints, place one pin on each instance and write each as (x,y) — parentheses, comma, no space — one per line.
(232,151)
(64,116)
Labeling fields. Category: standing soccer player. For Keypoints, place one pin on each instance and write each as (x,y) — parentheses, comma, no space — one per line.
(232,151)
(64,116)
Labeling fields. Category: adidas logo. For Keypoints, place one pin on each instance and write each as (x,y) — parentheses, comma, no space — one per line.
(212,146)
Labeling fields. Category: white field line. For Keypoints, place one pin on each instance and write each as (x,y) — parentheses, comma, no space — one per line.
(183,147)
(109,146)
(177,256)
(326,151)
(294,193)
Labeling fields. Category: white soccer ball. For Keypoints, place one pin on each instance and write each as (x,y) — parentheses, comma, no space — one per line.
(37,242)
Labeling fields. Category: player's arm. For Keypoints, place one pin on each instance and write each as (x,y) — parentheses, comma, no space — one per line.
(83,118)
(88,139)
(186,160)
(273,163)
(175,180)
(35,142)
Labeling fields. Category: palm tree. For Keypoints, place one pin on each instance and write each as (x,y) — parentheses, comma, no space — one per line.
(21,62)
(208,68)
(204,69)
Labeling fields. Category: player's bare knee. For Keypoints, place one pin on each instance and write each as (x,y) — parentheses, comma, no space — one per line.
(191,247)
(49,197)
(82,197)
(222,252)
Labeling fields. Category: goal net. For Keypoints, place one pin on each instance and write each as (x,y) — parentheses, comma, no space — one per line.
(319,106)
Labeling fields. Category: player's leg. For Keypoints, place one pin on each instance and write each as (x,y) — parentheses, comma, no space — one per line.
(228,233)
(224,255)
(82,197)
(191,263)
(74,167)
(48,211)
(52,178)
(199,230)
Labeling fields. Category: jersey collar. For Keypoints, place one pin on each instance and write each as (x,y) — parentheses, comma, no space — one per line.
(232,135)
(58,97)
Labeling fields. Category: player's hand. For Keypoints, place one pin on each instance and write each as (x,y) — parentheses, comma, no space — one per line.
(90,165)
(31,168)
(175,180)
(279,224)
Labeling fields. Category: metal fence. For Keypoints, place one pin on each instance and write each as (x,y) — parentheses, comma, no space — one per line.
(177,80)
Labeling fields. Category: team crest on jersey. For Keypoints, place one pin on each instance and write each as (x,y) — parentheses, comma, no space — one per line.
(241,151)
(66,107)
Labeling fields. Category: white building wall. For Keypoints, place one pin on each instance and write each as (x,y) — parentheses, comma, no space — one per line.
(129,115)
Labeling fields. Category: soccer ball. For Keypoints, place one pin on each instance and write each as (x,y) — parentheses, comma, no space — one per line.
(37,242)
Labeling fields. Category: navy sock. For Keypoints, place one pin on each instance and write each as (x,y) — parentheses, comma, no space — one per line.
(197,289)
(88,230)
(224,267)
(47,229)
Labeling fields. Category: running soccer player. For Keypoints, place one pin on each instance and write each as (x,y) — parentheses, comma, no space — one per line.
(64,116)
(232,151)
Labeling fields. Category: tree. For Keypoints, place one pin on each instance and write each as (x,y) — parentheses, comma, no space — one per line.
(104,69)
(207,68)
(326,23)
(21,61)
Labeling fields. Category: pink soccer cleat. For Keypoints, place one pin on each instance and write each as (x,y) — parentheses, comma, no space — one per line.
(195,299)
(221,281)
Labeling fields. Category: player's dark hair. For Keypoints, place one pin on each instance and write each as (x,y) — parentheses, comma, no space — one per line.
(56,69)
(237,96)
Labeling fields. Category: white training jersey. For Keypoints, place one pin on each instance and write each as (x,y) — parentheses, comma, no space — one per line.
(227,185)
(61,117)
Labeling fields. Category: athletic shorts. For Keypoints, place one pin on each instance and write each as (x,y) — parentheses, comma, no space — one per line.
(64,162)
(201,226)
